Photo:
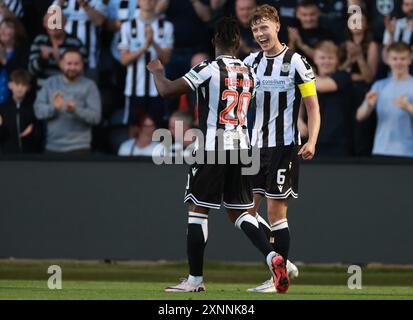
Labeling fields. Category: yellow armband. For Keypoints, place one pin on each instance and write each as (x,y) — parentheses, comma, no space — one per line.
(308,89)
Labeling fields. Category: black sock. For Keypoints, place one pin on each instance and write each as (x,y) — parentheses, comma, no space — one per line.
(281,234)
(196,239)
(249,225)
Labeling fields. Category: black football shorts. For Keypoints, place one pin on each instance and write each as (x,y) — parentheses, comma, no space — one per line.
(278,175)
(210,184)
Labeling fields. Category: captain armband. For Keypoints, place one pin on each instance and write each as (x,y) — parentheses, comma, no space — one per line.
(308,89)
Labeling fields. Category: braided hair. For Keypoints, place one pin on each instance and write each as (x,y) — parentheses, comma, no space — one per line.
(227,34)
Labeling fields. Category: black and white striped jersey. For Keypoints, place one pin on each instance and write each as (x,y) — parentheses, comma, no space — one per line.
(80,26)
(281,79)
(42,68)
(403,33)
(124,12)
(225,88)
(15,6)
(139,81)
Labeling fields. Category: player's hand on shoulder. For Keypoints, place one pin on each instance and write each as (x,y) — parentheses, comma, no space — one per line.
(307,151)
(155,66)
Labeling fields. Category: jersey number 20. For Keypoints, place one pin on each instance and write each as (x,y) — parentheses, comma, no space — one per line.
(235,100)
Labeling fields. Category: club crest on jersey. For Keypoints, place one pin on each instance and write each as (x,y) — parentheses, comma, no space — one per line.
(285,67)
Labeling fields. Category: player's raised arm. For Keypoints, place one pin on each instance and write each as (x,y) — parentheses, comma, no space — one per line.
(166,87)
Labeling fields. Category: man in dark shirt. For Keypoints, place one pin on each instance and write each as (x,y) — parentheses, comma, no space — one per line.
(334,17)
(243,9)
(309,32)
(334,94)
(286,10)
(377,11)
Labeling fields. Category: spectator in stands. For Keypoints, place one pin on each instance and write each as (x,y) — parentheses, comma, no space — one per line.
(33,22)
(393,100)
(84,19)
(334,17)
(144,39)
(286,10)
(379,12)
(19,129)
(118,12)
(361,58)
(400,30)
(334,94)
(361,53)
(11,8)
(188,102)
(13,52)
(243,9)
(46,50)
(141,143)
(71,105)
(189,18)
(179,123)
(309,32)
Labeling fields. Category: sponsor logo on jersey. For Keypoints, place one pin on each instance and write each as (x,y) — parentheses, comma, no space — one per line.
(280,188)
(269,84)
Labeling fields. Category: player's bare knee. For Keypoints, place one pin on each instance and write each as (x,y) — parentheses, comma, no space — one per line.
(194,208)
(233,215)
(277,210)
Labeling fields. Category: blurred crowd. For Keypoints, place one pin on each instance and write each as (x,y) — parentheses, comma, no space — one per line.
(79,84)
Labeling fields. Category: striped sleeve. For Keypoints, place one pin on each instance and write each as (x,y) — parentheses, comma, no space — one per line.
(304,76)
(35,62)
(124,42)
(198,75)
(168,38)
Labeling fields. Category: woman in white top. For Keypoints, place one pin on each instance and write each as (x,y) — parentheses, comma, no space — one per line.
(141,144)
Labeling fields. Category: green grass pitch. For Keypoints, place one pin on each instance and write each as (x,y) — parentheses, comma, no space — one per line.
(224,281)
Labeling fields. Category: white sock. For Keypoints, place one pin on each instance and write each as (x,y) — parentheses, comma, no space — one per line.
(247,218)
(201,219)
(280,224)
(195,280)
(262,220)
